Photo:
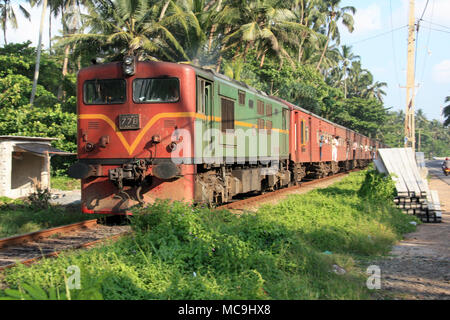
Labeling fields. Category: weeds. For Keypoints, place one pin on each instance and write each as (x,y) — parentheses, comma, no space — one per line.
(285,251)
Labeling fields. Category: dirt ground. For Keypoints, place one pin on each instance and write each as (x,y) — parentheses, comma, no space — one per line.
(419,266)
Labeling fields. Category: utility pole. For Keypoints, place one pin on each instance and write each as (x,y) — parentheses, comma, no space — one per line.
(410,138)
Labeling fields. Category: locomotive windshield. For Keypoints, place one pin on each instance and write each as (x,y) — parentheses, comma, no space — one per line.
(111,91)
(156,90)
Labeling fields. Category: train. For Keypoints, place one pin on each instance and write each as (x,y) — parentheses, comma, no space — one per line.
(151,130)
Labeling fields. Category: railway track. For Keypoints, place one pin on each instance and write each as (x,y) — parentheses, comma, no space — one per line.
(30,248)
(248,202)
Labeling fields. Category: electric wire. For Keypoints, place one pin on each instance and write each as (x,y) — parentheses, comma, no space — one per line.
(436,24)
(417,37)
(428,45)
(378,35)
(395,56)
(438,30)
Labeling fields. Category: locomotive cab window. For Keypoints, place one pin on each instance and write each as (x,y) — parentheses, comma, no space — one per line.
(204,95)
(105,91)
(154,90)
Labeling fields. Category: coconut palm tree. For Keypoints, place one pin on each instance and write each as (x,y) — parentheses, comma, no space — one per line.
(335,14)
(446,112)
(122,27)
(308,14)
(267,25)
(8,14)
(347,57)
(38,56)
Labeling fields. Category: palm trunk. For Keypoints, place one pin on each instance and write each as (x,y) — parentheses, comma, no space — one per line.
(263,58)
(64,69)
(213,28)
(38,58)
(219,62)
(247,47)
(50,32)
(164,9)
(324,51)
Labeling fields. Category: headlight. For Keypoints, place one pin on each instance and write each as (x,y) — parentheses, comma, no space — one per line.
(128,65)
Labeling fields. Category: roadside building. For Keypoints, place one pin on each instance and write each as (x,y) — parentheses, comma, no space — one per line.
(24,160)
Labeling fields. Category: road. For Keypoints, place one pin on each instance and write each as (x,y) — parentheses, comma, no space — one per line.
(434,167)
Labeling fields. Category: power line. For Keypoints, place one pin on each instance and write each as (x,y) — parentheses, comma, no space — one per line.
(395,56)
(428,44)
(444,31)
(377,36)
(417,37)
(425,9)
(437,24)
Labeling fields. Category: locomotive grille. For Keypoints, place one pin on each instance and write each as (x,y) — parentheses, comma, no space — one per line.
(93,125)
(169,123)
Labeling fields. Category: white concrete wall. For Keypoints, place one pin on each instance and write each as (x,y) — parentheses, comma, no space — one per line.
(18,183)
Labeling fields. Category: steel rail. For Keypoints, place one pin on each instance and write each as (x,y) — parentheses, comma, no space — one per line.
(46,233)
(57,253)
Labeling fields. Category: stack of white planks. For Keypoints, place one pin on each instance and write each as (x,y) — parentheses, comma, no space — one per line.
(413,195)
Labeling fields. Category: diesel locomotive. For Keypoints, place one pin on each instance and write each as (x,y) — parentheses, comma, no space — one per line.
(157,130)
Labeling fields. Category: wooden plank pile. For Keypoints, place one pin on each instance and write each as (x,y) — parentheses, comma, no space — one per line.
(413,194)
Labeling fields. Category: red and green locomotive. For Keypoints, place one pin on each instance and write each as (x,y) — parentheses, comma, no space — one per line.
(159,130)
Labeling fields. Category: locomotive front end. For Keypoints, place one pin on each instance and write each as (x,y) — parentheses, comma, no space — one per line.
(135,125)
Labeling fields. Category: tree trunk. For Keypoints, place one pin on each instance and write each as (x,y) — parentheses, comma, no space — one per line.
(323,52)
(50,32)
(326,46)
(64,69)
(247,47)
(213,28)
(164,9)
(263,58)
(38,58)
(219,62)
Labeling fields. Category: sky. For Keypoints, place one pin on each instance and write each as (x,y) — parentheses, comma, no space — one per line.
(384,53)
(379,38)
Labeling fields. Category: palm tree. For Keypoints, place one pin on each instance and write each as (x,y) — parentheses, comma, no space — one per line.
(347,58)
(122,27)
(375,90)
(446,112)
(8,15)
(308,14)
(334,14)
(38,56)
(265,24)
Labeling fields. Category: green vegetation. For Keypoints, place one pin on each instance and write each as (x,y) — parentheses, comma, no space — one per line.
(65,183)
(434,137)
(446,112)
(20,216)
(289,49)
(284,251)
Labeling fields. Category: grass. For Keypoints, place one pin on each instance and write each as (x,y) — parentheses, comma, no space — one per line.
(18,217)
(284,251)
(65,183)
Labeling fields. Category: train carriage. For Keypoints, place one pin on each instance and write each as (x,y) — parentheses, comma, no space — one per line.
(159,130)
